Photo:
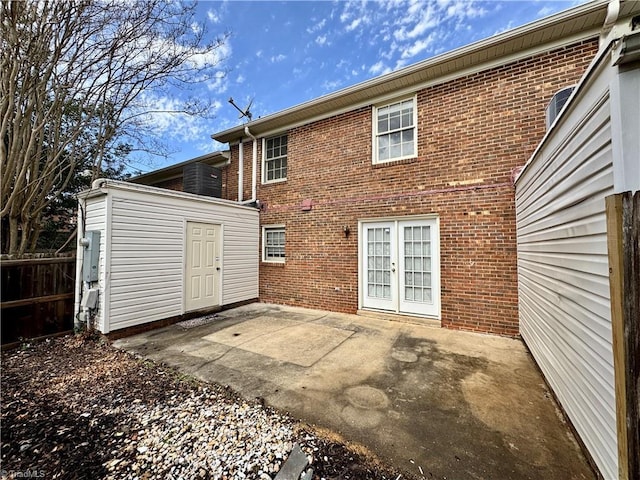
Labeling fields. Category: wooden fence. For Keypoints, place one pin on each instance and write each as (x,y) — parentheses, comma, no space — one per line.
(37,298)
(623,238)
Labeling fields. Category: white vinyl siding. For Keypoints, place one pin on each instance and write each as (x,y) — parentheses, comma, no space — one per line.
(147,228)
(563,266)
(274,165)
(273,243)
(95,212)
(395,131)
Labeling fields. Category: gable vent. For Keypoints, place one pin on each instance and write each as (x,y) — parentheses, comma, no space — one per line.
(555,105)
(202,179)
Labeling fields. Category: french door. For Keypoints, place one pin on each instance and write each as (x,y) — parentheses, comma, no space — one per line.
(400,269)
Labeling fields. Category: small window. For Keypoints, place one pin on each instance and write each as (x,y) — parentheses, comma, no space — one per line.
(395,133)
(273,239)
(275,159)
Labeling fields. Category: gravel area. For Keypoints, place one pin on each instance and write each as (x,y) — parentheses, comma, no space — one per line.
(76,407)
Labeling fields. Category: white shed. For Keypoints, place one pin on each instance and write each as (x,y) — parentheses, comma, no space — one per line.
(162,254)
(590,152)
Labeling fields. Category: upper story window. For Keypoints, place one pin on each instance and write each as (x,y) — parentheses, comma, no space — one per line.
(395,135)
(274,166)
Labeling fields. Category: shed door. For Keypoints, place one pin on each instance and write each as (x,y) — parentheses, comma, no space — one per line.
(202,274)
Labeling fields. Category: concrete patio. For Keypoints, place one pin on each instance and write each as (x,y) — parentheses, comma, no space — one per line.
(436,402)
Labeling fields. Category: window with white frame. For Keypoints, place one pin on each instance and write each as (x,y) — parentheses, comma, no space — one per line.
(395,135)
(273,239)
(274,165)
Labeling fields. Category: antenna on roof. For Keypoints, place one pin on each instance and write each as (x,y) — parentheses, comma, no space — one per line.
(243,113)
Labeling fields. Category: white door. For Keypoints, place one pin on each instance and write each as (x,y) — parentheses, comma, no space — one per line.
(202,273)
(379,267)
(400,266)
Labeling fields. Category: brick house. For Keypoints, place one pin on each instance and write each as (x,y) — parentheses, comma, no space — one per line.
(396,195)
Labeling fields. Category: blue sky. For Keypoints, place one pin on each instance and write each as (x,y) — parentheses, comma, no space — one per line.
(281,54)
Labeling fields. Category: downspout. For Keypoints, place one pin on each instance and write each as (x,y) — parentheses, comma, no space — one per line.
(613,10)
(254,167)
(240,170)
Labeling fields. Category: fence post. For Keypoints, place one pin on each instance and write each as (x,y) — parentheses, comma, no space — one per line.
(623,229)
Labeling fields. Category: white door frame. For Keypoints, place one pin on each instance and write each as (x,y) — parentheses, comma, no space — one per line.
(397,304)
(218,264)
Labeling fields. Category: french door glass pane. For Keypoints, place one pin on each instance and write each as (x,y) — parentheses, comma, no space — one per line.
(426,295)
(378,263)
(417,264)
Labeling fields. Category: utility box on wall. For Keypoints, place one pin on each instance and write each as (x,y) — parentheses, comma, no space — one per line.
(91,255)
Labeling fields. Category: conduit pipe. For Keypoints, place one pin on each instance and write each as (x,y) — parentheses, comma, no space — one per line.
(79,256)
(254,167)
(240,170)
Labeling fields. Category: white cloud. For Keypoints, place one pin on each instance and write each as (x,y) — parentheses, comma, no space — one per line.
(167,121)
(354,24)
(545,11)
(321,40)
(277,58)
(213,16)
(426,21)
(462,9)
(317,26)
(240,79)
(379,68)
(218,83)
(331,84)
(417,47)
(205,146)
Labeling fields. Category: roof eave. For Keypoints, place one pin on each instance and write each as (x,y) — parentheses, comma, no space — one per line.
(174,171)
(333,101)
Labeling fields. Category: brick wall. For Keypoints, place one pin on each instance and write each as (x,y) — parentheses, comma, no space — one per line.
(473,132)
(173,184)
(227,172)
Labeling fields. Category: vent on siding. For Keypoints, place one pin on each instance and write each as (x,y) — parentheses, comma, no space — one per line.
(202,179)
(556,104)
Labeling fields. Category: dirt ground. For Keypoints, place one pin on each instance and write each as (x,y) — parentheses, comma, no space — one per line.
(66,413)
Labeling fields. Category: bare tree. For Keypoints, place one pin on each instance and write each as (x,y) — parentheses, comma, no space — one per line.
(77,79)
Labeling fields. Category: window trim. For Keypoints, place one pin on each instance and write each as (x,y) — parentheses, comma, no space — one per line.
(279,227)
(264,158)
(375,135)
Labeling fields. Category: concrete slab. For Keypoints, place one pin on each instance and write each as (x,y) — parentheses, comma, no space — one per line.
(285,340)
(454,404)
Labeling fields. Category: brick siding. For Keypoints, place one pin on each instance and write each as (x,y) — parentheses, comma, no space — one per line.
(473,132)
(172,184)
